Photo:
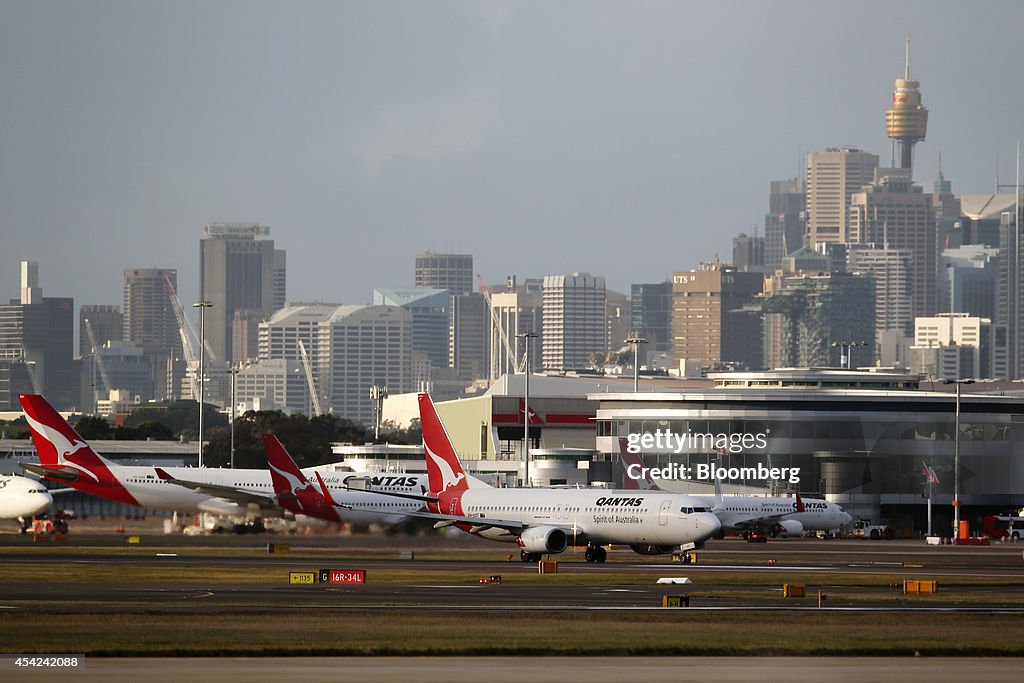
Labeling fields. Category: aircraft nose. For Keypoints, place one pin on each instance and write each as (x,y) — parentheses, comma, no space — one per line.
(708,525)
(846,518)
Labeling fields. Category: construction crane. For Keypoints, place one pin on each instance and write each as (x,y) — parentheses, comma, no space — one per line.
(30,367)
(309,379)
(496,324)
(97,363)
(186,342)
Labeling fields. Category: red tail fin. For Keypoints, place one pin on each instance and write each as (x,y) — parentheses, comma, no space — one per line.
(60,447)
(636,477)
(799,502)
(444,470)
(294,492)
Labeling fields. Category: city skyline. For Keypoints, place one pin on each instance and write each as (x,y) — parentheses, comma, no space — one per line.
(541,138)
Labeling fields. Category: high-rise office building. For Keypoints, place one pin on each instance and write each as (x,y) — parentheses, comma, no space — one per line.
(453,272)
(37,342)
(748,253)
(350,349)
(952,346)
(891,270)
(895,213)
(651,313)
(362,347)
(816,315)
(236,272)
(468,333)
(574,323)
(431,314)
(970,282)
(711,324)
(784,225)
(833,176)
(280,295)
(150,324)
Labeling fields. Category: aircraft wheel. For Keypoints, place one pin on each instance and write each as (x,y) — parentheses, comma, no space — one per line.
(524,556)
(602,555)
(589,555)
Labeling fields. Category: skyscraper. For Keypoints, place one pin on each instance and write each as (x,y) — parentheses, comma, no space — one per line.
(453,272)
(832,178)
(37,342)
(895,213)
(652,314)
(784,224)
(708,327)
(150,323)
(236,272)
(574,322)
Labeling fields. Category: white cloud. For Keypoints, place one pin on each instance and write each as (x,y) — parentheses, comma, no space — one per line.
(428,130)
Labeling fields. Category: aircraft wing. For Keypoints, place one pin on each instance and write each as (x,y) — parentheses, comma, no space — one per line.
(763,520)
(68,474)
(235,495)
(478,523)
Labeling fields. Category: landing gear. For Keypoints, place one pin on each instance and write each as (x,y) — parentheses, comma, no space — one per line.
(530,557)
(595,553)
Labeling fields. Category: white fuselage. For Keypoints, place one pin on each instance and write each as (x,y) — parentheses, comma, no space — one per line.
(154,493)
(593,515)
(741,512)
(22,497)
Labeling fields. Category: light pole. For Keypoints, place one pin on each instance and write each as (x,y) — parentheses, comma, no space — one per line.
(526,337)
(377,395)
(234,373)
(956,457)
(636,340)
(202,306)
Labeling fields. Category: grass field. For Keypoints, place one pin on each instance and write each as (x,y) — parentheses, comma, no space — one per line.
(370,632)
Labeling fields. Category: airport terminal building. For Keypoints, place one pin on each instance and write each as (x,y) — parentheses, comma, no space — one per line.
(859,438)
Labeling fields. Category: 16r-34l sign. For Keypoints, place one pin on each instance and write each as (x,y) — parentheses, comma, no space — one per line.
(343,576)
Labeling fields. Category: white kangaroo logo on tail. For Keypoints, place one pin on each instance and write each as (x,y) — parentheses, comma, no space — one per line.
(61,444)
(448,476)
(293,481)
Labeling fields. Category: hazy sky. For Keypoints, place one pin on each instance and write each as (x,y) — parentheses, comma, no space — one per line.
(629,139)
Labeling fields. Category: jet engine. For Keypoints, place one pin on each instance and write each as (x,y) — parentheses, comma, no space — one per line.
(543,539)
(648,549)
(791,527)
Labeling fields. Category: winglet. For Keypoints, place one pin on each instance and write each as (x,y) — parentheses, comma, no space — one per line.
(162,474)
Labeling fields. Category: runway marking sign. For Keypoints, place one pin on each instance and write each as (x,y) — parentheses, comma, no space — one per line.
(302,578)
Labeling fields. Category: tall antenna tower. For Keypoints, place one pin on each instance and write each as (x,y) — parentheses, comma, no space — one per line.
(906,121)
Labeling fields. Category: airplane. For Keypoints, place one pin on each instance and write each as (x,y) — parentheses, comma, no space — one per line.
(22,498)
(749,514)
(295,491)
(549,520)
(240,493)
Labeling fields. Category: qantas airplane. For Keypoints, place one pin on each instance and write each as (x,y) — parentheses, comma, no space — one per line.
(544,520)
(747,514)
(247,493)
(22,498)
